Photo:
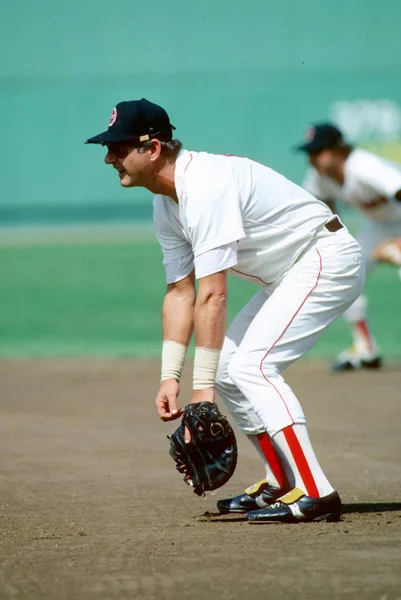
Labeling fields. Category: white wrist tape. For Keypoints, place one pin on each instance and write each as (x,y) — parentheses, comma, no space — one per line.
(173,357)
(205,367)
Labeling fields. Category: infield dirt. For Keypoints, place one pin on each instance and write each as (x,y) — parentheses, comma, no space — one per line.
(92,507)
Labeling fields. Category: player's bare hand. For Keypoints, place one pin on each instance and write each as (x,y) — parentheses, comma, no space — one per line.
(166,400)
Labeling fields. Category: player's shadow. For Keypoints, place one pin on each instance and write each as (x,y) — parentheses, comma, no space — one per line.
(371,507)
(348,509)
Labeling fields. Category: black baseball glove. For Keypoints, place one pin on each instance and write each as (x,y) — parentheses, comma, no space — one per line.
(210,458)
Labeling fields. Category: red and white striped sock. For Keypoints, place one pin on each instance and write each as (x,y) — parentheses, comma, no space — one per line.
(364,342)
(275,470)
(295,445)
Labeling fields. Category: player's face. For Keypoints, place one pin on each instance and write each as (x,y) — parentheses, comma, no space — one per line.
(323,161)
(130,165)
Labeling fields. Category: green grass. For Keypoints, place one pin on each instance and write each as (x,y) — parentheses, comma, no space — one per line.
(104,299)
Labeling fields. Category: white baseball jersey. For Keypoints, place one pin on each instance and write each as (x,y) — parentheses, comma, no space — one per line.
(234,212)
(370,184)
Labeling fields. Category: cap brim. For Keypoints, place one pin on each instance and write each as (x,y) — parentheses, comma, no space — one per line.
(108,137)
(309,147)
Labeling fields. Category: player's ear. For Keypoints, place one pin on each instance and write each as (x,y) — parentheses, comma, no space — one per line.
(155,149)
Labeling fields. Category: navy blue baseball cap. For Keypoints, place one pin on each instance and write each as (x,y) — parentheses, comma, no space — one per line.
(320,136)
(136,121)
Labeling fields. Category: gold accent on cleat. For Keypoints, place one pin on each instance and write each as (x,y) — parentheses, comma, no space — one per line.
(292,496)
(256,488)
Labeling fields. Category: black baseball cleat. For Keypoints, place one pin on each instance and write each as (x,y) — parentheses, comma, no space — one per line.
(296,507)
(349,360)
(259,495)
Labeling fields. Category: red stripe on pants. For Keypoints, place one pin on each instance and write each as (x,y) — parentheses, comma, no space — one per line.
(273,459)
(301,462)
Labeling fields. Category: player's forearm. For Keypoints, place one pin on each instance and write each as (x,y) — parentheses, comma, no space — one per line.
(177,327)
(178,314)
(210,325)
(210,320)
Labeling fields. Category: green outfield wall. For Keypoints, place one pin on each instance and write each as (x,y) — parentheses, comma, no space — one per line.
(238,77)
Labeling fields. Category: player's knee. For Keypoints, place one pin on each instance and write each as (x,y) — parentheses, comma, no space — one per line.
(269,370)
(243,366)
(222,375)
(357,310)
(237,367)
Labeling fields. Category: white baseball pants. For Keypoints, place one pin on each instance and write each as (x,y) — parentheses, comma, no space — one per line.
(279,325)
(369,237)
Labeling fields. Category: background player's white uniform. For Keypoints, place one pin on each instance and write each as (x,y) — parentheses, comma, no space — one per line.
(370,185)
(235,213)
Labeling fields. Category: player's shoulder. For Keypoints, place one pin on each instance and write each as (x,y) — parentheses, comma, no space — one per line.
(204,173)
(367,166)
(359,157)
(360,160)
(192,163)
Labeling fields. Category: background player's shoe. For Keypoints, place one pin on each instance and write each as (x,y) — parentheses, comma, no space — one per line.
(350,360)
(259,495)
(295,507)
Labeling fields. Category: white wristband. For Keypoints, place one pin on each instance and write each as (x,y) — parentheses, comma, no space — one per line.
(205,367)
(173,357)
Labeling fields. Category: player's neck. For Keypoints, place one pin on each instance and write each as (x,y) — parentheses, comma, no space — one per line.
(338,173)
(163,181)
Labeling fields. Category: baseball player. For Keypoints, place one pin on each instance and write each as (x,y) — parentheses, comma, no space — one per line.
(371,185)
(216,214)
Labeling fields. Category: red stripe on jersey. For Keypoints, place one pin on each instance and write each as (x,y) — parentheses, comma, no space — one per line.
(246,275)
(189,162)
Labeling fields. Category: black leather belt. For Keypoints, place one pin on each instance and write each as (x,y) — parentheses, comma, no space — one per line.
(334,225)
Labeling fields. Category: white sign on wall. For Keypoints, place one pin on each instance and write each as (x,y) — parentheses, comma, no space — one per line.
(367,119)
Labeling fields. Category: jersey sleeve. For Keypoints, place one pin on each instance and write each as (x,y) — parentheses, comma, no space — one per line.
(178,259)
(170,237)
(383,176)
(213,209)
(178,268)
(315,185)
(216,260)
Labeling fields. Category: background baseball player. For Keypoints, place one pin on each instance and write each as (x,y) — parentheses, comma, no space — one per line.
(217,213)
(371,185)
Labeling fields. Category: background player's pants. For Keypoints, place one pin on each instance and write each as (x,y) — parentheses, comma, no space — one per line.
(369,237)
(279,324)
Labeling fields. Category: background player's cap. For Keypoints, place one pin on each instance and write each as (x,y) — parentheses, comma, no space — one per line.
(136,121)
(320,136)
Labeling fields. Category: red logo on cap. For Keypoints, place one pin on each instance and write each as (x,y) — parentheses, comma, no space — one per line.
(310,134)
(113,117)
